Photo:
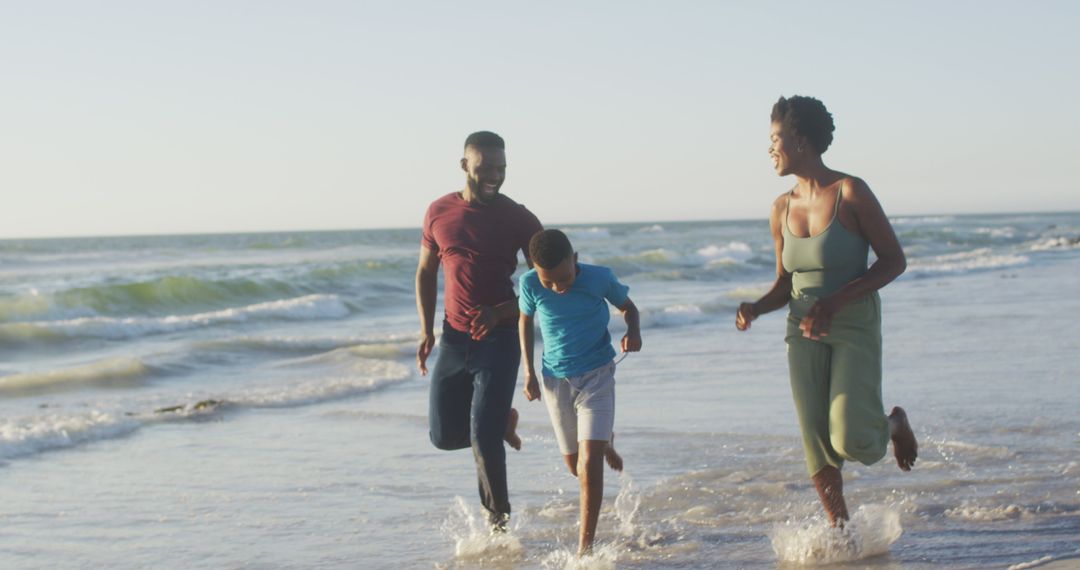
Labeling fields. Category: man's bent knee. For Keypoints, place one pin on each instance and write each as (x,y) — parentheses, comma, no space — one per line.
(448,444)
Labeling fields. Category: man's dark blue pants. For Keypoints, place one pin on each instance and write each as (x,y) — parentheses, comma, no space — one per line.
(472,388)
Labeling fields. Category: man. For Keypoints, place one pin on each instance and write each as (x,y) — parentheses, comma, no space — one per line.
(476,234)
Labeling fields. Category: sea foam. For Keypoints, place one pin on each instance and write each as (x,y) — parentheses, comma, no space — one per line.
(31,435)
(980,259)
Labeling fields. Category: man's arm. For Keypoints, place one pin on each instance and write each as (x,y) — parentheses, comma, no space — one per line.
(485,318)
(427,283)
(631,342)
(527,335)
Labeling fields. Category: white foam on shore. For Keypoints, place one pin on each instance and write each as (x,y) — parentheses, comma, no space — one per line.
(976,513)
(914,221)
(871,530)
(951,450)
(1056,243)
(20,437)
(367,375)
(308,307)
(1005,233)
(733,252)
(32,435)
(1048,560)
(673,316)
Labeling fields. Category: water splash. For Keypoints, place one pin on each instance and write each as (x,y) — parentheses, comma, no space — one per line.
(603,557)
(871,530)
(467,528)
(627,503)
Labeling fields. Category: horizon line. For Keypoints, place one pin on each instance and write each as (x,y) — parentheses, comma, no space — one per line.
(397,228)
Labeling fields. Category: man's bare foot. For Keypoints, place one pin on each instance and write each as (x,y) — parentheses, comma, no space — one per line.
(511,435)
(905,448)
(614,460)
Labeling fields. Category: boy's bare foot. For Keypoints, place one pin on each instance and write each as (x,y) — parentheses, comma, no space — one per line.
(905,448)
(614,460)
(511,435)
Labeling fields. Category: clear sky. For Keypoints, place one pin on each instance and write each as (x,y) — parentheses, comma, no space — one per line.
(225,116)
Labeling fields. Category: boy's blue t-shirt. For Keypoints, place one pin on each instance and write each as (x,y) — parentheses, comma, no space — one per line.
(575,323)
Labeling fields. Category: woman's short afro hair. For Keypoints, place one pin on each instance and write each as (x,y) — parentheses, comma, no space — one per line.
(805,116)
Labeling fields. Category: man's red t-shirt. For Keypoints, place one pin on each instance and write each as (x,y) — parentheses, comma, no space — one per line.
(477,245)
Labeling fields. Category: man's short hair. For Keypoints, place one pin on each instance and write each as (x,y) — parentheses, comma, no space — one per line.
(485,139)
(549,248)
(808,117)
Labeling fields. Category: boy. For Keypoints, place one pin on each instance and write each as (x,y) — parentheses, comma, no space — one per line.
(578,365)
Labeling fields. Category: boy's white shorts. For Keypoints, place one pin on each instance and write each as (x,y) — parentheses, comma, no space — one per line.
(581,407)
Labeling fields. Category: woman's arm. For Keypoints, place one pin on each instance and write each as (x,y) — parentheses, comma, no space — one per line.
(780,293)
(874,226)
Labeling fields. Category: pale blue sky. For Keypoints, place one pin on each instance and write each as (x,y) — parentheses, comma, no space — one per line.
(214,116)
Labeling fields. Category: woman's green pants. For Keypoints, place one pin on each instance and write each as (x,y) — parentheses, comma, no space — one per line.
(836,383)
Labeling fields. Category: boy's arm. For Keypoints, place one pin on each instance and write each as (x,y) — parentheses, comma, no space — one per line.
(527,335)
(631,342)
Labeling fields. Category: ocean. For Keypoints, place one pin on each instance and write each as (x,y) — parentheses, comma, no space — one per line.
(251,401)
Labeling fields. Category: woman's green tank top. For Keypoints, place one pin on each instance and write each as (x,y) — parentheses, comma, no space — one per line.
(821,264)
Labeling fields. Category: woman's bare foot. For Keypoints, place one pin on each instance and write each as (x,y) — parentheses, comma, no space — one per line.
(905,448)
(511,435)
(614,460)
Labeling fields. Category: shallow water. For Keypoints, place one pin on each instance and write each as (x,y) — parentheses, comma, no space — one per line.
(296,432)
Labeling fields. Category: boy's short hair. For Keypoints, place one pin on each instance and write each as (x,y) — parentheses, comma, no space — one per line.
(485,139)
(807,117)
(548,248)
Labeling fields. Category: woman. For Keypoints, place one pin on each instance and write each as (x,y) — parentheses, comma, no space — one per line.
(823,228)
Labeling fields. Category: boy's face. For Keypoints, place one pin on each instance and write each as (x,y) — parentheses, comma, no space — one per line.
(561,277)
